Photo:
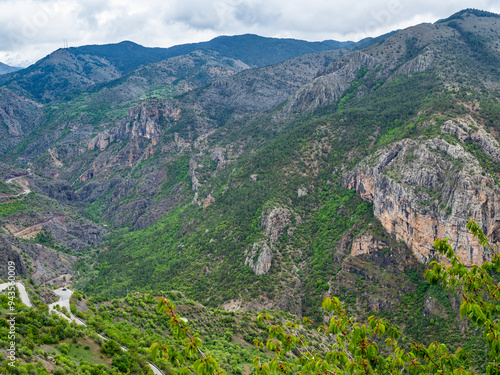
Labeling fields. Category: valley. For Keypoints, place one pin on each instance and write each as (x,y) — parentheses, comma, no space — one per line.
(247,175)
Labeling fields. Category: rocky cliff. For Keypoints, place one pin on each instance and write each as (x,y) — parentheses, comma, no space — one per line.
(425,189)
(275,220)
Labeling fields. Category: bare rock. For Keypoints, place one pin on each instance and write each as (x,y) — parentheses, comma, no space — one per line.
(367,244)
(422,190)
(418,65)
(301,192)
(263,263)
(142,121)
(331,84)
(274,220)
(208,201)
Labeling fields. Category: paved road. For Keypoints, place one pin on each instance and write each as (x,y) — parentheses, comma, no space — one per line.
(22,291)
(64,297)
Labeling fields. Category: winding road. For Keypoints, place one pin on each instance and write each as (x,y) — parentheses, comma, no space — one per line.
(25,191)
(64,298)
(22,291)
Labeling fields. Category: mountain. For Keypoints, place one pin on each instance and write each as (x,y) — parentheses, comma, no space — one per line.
(74,69)
(252,180)
(4,69)
(247,185)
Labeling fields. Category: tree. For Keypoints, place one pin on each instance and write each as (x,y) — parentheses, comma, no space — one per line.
(374,347)
(190,358)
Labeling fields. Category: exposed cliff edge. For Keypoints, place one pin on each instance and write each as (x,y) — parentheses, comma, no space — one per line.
(425,189)
(275,220)
(331,84)
(142,121)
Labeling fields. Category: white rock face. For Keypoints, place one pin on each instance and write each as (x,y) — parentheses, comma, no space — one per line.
(263,263)
(302,192)
(274,220)
(330,86)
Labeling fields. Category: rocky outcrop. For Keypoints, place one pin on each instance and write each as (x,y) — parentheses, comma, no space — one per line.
(36,261)
(274,221)
(262,265)
(422,190)
(8,254)
(467,129)
(19,116)
(209,200)
(367,244)
(331,84)
(195,183)
(261,89)
(142,121)
(54,188)
(302,192)
(75,234)
(219,156)
(418,65)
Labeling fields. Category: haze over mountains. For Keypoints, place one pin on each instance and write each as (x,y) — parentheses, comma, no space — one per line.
(4,69)
(252,173)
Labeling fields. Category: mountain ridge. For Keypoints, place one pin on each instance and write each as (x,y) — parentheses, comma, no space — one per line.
(5,69)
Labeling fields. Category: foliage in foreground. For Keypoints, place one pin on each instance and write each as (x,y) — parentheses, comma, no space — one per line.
(374,347)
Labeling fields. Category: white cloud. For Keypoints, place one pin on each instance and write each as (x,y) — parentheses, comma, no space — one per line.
(30,29)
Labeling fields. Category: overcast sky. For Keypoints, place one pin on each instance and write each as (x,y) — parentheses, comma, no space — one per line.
(30,29)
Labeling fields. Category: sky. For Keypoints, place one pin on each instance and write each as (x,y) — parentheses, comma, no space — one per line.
(31,29)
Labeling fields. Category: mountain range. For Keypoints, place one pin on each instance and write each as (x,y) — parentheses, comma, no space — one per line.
(4,69)
(252,173)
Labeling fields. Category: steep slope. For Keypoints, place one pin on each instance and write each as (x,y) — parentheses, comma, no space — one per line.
(400,89)
(18,117)
(271,187)
(151,139)
(77,68)
(4,69)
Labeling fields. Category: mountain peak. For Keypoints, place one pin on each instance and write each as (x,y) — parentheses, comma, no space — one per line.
(467,13)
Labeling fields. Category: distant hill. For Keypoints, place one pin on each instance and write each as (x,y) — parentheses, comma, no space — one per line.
(254,50)
(4,68)
(467,13)
(363,43)
(77,68)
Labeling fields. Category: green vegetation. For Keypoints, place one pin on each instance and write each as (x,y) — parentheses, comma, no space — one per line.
(8,188)
(351,347)
(11,208)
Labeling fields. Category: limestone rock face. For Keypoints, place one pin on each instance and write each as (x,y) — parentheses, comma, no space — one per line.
(218,156)
(418,65)
(467,129)
(422,190)
(263,263)
(142,121)
(329,86)
(275,221)
(367,244)
(19,115)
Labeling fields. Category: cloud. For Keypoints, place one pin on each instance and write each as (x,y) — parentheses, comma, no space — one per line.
(30,29)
